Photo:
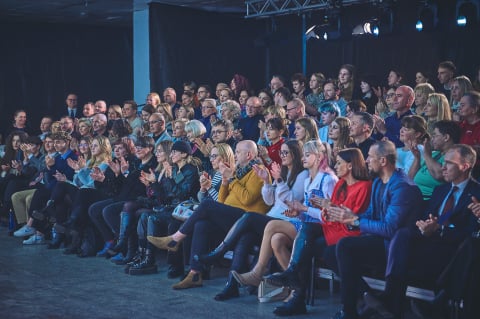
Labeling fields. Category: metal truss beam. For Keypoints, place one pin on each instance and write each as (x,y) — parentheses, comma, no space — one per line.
(268,8)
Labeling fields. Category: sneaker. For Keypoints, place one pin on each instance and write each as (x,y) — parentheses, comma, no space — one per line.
(35,240)
(24,231)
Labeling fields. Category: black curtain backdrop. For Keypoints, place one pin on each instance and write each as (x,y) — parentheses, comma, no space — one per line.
(210,47)
(41,63)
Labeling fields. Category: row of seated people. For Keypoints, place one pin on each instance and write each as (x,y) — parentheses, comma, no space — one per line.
(113,205)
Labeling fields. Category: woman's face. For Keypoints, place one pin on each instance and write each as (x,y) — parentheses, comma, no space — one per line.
(16,142)
(299,132)
(215,158)
(314,83)
(311,160)
(83,129)
(178,130)
(334,131)
(273,134)
(344,76)
(112,115)
(176,156)
(264,99)
(142,152)
(119,151)
(420,98)
(224,96)
(83,147)
(233,86)
(286,156)
(160,154)
(328,117)
(365,87)
(186,100)
(191,137)
(466,109)
(342,167)
(145,116)
(407,134)
(389,97)
(226,113)
(242,99)
(21,119)
(95,147)
(182,113)
(430,110)
(420,78)
(392,78)
(456,92)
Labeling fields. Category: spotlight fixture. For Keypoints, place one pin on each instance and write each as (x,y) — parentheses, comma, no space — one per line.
(467,13)
(310,33)
(371,27)
(427,16)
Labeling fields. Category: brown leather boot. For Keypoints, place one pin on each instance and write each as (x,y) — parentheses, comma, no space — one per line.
(193,280)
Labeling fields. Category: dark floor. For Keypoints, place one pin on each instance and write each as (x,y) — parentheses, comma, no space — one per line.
(39,283)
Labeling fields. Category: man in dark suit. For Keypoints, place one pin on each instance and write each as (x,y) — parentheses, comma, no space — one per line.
(72,110)
(396,202)
(422,252)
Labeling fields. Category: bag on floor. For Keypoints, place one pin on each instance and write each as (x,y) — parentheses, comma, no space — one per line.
(270,293)
(184,210)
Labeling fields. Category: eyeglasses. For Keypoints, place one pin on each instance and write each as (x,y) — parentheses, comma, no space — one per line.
(217,132)
(292,108)
(83,145)
(213,157)
(207,107)
(159,152)
(154,122)
(391,95)
(253,106)
(283,153)
(202,92)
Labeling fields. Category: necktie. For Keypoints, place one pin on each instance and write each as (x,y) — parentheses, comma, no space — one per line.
(72,114)
(448,207)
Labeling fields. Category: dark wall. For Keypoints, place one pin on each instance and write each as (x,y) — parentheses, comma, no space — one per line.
(211,47)
(41,63)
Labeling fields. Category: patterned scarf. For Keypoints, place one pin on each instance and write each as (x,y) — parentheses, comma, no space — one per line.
(240,172)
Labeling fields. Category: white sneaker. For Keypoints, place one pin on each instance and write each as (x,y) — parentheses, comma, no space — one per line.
(24,231)
(35,240)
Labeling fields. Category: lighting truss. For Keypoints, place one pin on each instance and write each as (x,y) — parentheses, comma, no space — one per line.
(268,8)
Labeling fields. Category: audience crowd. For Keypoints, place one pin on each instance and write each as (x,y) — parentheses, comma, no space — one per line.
(367,179)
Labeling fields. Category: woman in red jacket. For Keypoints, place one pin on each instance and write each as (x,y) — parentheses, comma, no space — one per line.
(319,239)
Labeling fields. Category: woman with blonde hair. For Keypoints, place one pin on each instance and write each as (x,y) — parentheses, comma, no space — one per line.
(436,109)
(166,110)
(306,130)
(153,98)
(85,127)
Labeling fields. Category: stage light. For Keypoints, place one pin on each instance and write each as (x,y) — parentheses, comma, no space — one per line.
(427,17)
(461,21)
(310,33)
(467,13)
(419,25)
(370,27)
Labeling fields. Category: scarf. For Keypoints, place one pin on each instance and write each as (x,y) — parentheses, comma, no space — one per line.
(240,172)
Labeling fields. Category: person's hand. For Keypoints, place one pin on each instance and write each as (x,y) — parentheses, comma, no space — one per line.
(73,164)
(319,202)
(49,161)
(291,213)
(129,142)
(202,146)
(379,124)
(429,226)
(97,175)
(205,182)
(427,147)
(115,167)
(474,206)
(262,151)
(262,126)
(60,176)
(213,118)
(147,177)
(295,205)
(209,145)
(16,165)
(124,165)
(276,171)
(167,170)
(262,172)
(379,91)
(226,171)
(341,214)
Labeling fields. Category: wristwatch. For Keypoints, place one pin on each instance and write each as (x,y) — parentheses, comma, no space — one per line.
(279,180)
(356,223)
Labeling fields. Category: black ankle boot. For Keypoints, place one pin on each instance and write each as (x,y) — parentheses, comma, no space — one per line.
(288,278)
(295,306)
(213,256)
(145,266)
(122,243)
(136,259)
(57,241)
(75,244)
(229,291)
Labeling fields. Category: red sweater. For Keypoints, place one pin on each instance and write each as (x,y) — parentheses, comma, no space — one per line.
(357,199)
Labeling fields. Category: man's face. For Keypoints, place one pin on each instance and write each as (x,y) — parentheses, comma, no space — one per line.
(444,75)
(208,109)
(438,140)
(61,146)
(88,110)
(100,107)
(454,167)
(45,124)
(98,124)
(292,111)
(252,108)
(329,92)
(275,84)
(373,161)
(48,144)
(71,101)
(202,94)
(169,97)
(401,100)
(328,117)
(128,111)
(157,124)
(67,124)
(219,134)
(356,126)
(242,155)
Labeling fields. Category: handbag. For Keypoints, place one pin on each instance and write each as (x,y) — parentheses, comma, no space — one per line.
(270,293)
(184,210)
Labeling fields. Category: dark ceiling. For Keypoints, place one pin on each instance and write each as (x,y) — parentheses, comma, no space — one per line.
(99,12)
